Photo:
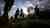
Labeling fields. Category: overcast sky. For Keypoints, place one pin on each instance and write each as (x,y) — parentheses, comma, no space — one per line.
(13,9)
(2,3)
(23,4)
(26,3)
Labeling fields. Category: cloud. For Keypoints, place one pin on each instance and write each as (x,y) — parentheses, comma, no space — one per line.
(41,4)
(26,5)
(2,4)
(1,1)
(13,10)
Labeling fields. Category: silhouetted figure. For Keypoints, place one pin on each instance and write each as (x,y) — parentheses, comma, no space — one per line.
(37,11)
(8,4)
(17,13)
(22,13)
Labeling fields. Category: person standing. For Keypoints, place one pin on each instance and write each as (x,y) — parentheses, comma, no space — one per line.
(37,10)
(17,13)
(22,13)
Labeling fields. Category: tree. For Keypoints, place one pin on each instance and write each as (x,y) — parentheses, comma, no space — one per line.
(8,5)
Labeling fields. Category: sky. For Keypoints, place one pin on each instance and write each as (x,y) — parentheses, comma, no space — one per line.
(2,3)
(19,3)
(23,4)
